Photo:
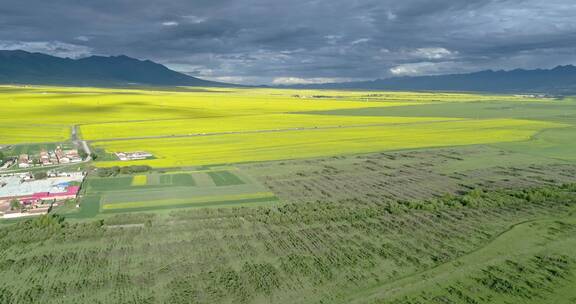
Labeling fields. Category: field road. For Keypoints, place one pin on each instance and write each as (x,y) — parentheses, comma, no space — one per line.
(78,142)
(273,130)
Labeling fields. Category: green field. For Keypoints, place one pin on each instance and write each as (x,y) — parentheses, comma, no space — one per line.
(158,191)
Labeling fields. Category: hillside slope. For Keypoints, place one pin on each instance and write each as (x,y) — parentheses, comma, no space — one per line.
(20,67)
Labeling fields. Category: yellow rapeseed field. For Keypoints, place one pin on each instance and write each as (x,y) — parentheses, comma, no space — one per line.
(139,180)
(234,148)
(201,126)
(13,133)
(46,114)
(267,122)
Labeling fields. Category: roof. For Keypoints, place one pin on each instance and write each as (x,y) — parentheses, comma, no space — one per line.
(72,190)
(15,188)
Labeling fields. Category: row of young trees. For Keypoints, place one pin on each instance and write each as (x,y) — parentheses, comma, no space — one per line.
(286,253)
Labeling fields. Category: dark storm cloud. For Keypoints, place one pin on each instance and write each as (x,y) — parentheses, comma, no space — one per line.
(301,40)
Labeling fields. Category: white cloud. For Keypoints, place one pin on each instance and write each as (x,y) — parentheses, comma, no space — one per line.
(170,23)
(195,19)
(83,38)
(298,80)
(433,53)
(423,68)
(332,39)
(55,48)
(360,41)
(230,79)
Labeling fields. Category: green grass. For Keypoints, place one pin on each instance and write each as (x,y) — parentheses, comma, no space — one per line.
(182,179)
(216,202)
(515,264)
(126,204)
(553,143)
(109,183)
(550,111)
(225,178)
(89,208)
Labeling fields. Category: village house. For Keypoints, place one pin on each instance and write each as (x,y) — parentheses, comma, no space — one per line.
(45,158)
(73,155)
(61,156)
(53,158)
(24,161)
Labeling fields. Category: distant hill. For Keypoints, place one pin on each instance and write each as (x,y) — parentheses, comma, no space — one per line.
(21,67)
(560,80)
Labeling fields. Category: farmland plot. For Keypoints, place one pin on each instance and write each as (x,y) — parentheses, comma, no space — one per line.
(270,122)
(158,191)
(235,148)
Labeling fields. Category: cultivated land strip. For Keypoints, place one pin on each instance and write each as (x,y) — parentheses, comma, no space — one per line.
(275,130)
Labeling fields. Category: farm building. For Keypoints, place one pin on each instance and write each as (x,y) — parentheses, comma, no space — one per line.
(45,158)
(138,155)
(69,193)
(24,161)
(67,156)
(35,195)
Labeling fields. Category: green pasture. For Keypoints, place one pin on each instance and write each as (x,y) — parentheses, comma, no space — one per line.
(559,144)
(554,110)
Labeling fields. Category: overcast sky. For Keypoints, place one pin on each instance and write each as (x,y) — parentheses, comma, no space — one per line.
(301,41)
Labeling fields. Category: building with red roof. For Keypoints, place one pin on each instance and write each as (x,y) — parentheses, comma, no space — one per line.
(70,192)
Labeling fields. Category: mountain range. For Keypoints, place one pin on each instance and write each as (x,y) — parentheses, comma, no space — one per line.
(21,67)
(559,80)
